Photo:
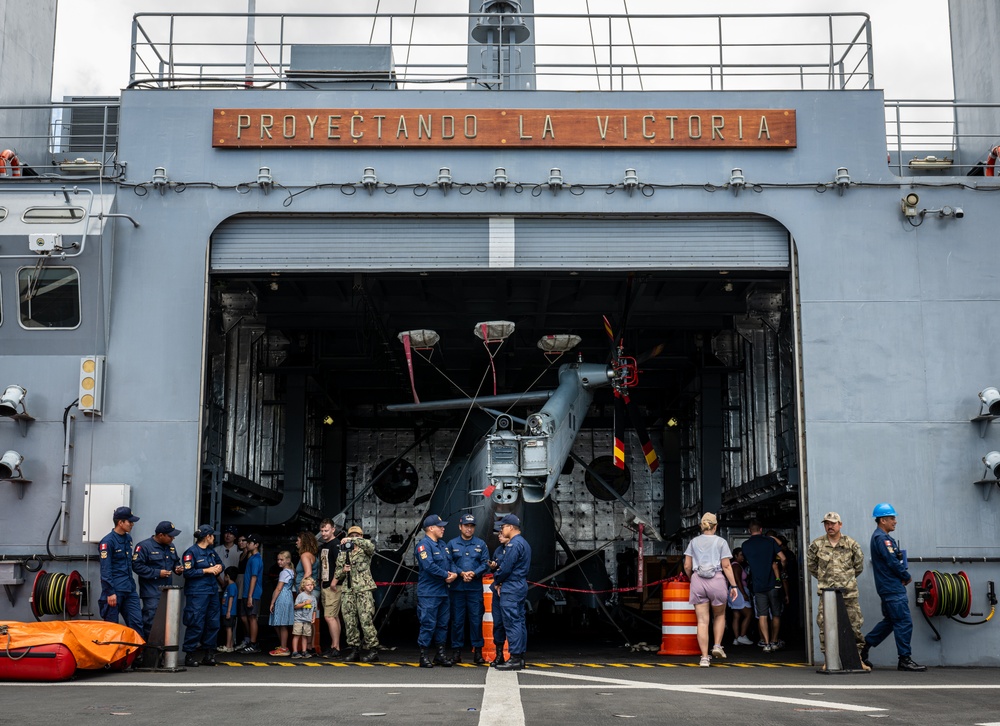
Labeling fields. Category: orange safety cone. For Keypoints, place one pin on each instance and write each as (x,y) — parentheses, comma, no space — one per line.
(489,648)
(679,622)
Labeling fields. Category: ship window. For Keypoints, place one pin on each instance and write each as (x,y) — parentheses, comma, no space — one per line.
(53,215)
(49,297)
(1,298)
(3,214)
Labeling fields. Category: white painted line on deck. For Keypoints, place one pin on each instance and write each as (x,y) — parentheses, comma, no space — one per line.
(714,691)
(501,700)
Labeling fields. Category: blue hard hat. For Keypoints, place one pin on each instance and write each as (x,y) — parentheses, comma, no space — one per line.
(883,510)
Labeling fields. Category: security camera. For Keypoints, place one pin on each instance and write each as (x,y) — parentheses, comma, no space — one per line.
(959,212)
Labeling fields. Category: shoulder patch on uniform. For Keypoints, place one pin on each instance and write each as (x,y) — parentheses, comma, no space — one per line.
(187,561)
(104,545)
(423,555)
(104,552)
(135,555)
(420,548)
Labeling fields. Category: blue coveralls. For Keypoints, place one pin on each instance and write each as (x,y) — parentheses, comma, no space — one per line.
(149,558)
(116,579)
(499,631)
(890,574)
(432,591)
(512,577)
(467,597)
(201,599)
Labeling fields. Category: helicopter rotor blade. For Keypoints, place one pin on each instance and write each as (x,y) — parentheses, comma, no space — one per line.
(619,452)
(652,460)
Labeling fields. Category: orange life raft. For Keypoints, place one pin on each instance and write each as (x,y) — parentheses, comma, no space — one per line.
(53,650)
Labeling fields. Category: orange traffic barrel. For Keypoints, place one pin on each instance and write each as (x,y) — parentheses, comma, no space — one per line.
(679,622)
(489,649)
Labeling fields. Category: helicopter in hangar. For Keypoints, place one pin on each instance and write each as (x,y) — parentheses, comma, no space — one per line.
(518,461)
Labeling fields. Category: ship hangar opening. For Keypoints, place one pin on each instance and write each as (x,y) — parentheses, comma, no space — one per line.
(304,361)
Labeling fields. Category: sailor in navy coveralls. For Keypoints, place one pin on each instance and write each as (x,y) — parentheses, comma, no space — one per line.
(891,579)
(511,581)
(201,597)
(436,573)
(470,557)
(118,594)
(155,560)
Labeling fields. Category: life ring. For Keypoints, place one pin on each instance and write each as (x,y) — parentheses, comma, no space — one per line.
(991,161)
(9,158)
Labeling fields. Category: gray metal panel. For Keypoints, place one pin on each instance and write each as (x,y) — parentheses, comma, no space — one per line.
(687,243)
(348,243)
(328,243)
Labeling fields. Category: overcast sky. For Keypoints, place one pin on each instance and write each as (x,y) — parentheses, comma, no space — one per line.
(911,41)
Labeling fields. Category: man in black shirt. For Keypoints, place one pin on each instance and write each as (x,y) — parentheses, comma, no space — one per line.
(329,546)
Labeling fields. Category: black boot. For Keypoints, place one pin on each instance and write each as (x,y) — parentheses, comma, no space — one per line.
(477,656)
(441,659)
(456,655)
(425,662)
(209,659)
(908,664)
(515,663)
(865,650)
(191,660)
(499,660)
(369,656)
(350,655)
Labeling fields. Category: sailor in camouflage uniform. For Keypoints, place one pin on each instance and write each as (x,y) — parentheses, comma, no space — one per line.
(354,573)
(836,560)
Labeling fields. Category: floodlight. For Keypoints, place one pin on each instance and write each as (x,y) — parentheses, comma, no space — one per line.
(908,205)
(842,179)
(992,461)
(991,400)
(369,180)
(12,397)
(10,465)
(555,179)
(500,179)
(444,180)
(631,181)
(736,180)
(264,179)
(160,179)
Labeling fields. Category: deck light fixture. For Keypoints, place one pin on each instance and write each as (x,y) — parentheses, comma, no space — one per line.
(555,179)
(445,180)
(160,179)
(992,461)
(10,466)
(10,399)
(842,179)
(991,401)
(368,179)
(631,181)
(500,179)
(908,205)
(737,181)
(264,179)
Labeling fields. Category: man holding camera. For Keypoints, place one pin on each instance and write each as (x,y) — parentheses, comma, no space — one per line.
(354,573)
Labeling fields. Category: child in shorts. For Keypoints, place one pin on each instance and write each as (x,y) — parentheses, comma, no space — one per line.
(229,598)
(305,615)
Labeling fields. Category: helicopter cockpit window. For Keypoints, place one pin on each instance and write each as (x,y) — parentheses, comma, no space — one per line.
(49,297)
(53,215)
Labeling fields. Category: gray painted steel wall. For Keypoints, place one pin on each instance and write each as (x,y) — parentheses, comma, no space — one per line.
(27,41)
(896,320)
(974,48)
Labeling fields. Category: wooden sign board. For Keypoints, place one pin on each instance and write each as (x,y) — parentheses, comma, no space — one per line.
(255,128)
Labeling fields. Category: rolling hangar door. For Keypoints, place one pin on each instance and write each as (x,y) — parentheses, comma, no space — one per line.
(304,356)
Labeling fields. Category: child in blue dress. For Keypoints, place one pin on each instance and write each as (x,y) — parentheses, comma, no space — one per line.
(283,603)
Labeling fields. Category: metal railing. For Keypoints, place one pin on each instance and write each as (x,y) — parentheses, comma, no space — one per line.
(74,140)
(942,137)
(608,52)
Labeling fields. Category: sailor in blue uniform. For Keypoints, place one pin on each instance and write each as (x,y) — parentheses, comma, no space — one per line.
(499,631)
(201,597)
(891,579)
(436,573)
(511,581)
(155,561)
(470,558)
(118,595)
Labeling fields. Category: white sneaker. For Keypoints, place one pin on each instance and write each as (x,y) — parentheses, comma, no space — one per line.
(743,640)
(705,662)
(769,647)
(718,652)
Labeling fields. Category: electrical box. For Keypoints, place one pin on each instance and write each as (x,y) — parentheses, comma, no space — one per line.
(99,504)
(43,243)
